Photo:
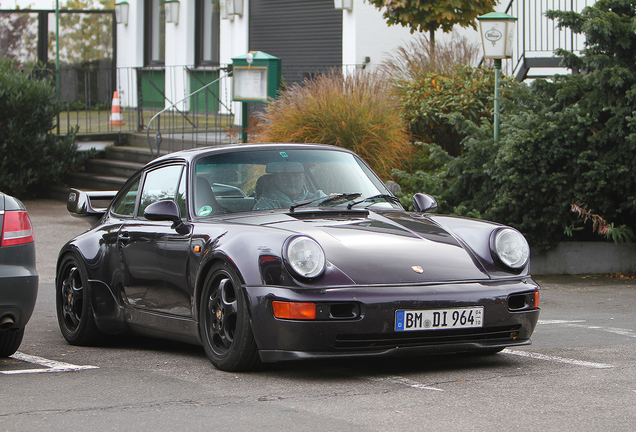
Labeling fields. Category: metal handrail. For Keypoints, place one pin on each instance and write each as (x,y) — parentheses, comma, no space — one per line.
(158,138)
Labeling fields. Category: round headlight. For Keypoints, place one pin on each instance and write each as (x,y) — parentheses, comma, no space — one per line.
(511,247)
(305,257)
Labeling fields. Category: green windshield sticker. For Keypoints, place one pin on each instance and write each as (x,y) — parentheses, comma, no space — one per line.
(283,154)
(205,210)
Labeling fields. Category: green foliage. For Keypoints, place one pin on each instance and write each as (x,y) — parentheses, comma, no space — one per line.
(431,15)
(566,140)
(545,160)
(426,172)
(31,157)
(84,37)
(357,112)
(428,100)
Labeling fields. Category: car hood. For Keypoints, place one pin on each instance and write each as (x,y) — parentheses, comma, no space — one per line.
(379,248)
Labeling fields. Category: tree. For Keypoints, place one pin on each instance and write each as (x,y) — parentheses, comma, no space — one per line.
(17,36)
(431,15)
(84,37)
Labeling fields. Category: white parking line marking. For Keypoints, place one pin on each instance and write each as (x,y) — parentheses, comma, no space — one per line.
(51,365)
(618,331)
(407,382)
(558,359)
(577,324)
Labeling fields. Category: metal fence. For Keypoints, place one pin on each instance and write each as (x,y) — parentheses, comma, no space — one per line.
(203,118)
(174,107)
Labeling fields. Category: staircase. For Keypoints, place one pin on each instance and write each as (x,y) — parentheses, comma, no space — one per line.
(109,170)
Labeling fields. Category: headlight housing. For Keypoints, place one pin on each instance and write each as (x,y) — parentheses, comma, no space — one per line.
(510,248)
(304,257)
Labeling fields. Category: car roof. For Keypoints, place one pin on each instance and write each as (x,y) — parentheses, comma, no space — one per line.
(191,154)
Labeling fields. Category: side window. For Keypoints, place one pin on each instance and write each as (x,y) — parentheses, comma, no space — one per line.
(160,184)
(125,204)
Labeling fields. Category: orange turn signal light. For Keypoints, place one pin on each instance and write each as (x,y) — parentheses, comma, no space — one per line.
(294,310)
(536,299)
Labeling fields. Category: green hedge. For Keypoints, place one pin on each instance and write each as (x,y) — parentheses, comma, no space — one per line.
(32,158)
(566,143)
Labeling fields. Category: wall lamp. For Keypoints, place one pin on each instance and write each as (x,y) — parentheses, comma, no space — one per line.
(121,12)
(172,11)
(235,7)
(343,4)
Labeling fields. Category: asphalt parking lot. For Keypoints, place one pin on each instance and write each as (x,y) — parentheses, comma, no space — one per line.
(578,375)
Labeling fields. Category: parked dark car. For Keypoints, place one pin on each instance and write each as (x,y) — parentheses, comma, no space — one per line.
(277,252)
(18,276)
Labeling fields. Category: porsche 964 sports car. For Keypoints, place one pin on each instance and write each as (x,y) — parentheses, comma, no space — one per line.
(273,252)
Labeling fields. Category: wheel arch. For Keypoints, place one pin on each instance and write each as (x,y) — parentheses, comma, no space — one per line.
(204,270)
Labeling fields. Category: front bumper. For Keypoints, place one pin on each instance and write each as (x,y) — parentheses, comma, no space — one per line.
(360,320)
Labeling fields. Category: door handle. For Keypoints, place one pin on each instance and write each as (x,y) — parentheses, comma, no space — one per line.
(123,238)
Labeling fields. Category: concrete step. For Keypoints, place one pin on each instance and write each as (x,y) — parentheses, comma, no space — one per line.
(130,154)
(110,167)
(89,181)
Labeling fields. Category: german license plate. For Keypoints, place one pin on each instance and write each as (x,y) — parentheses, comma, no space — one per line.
(439,319)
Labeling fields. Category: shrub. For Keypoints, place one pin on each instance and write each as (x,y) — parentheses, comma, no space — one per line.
(352,111)
(545,160)
(31,157)
(429,176)
(427,101)
(564,141)
(431,85)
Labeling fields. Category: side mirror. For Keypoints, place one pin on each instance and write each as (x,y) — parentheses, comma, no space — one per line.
(166,210)
(424,203)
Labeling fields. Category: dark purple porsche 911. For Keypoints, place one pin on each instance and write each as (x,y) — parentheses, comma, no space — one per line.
(275,252)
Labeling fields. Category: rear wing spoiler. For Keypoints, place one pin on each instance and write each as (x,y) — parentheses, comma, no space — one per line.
(85,203)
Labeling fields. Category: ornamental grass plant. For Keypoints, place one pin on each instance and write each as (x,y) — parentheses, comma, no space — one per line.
(416,60)
(354,111)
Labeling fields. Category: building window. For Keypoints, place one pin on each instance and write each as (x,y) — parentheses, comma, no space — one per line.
(208,25)
(155,27)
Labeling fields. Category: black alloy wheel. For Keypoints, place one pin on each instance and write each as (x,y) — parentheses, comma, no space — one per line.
(225,326)
(73,304)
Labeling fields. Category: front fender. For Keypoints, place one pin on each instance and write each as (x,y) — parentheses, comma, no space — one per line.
(475,234)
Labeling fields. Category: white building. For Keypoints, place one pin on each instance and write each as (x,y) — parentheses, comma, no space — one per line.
(178,52)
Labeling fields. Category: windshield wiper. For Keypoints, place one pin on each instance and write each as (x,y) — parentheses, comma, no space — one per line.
(325,199)
(385,197)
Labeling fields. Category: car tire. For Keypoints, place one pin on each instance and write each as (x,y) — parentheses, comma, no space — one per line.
(72,298)
(10,341)
(224,322)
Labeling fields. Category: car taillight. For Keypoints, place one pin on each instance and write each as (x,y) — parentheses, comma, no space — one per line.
(16,228)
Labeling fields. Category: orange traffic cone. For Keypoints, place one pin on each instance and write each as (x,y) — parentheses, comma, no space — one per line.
(115,113)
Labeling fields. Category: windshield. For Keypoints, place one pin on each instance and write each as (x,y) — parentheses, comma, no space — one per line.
(284,179)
